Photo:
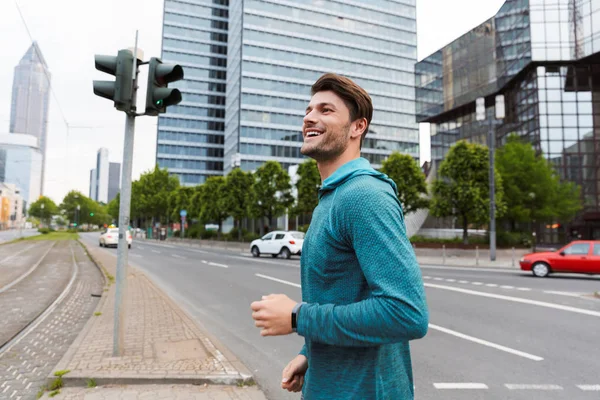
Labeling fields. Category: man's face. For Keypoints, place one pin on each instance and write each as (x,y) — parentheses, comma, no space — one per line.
(326,127)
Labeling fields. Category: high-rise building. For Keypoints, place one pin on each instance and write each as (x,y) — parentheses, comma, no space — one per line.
(105,178)
(249,66)
(114,180)
(544,57)
(93,184)
(21,165)
(31,100)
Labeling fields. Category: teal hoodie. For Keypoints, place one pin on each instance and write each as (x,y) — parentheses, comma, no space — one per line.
(363,289)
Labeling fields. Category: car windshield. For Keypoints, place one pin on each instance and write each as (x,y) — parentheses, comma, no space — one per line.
(298,235)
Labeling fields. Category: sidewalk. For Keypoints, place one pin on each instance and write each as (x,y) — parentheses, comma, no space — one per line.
(167,355)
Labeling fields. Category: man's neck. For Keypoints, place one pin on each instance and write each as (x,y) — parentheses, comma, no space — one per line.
(328,167)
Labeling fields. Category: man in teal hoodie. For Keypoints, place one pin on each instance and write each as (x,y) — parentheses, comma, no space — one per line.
(362,290)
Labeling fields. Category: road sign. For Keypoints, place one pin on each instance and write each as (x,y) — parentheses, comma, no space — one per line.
(480,109)
(183,213)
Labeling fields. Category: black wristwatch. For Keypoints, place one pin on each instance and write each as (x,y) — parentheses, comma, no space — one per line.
(295,315)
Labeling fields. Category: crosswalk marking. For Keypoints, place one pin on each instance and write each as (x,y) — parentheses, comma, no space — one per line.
(460,386)
(522,386)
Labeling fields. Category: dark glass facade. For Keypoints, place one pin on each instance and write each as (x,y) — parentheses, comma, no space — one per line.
(544,57)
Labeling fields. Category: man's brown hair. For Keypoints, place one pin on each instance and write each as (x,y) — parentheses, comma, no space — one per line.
(356,98)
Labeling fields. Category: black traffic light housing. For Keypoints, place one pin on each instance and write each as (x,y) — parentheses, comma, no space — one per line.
(158,95)
(121,89)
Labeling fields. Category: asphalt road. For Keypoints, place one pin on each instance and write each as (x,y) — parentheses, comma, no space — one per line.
(494,334)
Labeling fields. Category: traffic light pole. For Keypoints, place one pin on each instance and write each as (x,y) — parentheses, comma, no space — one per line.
(492,179)
(124,209)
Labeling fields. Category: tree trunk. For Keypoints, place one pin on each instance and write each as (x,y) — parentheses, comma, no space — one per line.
(513,225)
(270,226)
(220,230)
(465,230)
(239,226)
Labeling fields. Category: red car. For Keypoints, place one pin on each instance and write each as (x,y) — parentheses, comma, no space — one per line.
(581,256)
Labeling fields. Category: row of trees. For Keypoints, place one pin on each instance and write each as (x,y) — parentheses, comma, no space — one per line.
(90,212)
(527,189)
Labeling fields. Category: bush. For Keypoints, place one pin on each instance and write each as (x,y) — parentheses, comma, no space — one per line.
(176,234)
(303,228)
(45,231)
(72,230)
(208,235)
(512,239)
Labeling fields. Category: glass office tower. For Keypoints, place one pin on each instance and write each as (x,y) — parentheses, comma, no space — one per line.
(249,66)
(190,135)
(544,57)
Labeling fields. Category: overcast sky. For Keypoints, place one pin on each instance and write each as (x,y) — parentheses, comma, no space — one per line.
(70,32)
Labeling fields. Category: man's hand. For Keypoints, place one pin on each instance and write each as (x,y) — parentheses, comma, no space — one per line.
(293,374)
(273,314)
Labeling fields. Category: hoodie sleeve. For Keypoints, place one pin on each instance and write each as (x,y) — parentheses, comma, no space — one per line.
(369,219)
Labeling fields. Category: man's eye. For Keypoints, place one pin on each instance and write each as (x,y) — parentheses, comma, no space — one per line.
(326,109)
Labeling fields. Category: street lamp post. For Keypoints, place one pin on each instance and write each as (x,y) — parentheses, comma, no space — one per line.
(480,116)
(77,218)
(42,214)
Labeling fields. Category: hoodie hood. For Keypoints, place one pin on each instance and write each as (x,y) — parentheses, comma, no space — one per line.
(354,168)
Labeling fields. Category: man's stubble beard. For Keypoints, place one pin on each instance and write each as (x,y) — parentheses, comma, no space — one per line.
(333,145)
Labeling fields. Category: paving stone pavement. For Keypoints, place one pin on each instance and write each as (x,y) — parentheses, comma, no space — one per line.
(162,343)
(162,392)
(23,302)
(25,367)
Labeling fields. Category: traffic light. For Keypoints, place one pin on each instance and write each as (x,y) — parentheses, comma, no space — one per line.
(158,95)
(121,89)
(91,214)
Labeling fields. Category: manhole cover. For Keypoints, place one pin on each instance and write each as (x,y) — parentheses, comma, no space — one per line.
(183,350)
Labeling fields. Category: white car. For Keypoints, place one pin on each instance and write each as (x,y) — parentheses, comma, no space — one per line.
(283,243)
(110,237)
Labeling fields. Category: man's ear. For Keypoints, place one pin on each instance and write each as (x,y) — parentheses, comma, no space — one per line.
(358,128)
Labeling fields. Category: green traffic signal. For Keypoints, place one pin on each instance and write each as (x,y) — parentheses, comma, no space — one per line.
(91,214)
(158,95)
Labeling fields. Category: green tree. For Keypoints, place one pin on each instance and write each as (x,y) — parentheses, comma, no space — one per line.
(180,199)
(272,188)
(150,195)
(113,207)
(309,182)
(212,200)
(410,180)
(86,206)
(238,196)
(532,189)
(43,209)
(462,189)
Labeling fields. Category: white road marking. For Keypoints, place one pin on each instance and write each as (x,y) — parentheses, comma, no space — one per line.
(477,283)
(450,280)
(517,300)
(569,294)
(463,281)
(519,386)
(140,247)
(507,287)
(438,279)
(524,289)
(204,262)
(486,343)
(277,280)
(218,265)
(156,251)
(178,256)
(135,255)
(589,388)
(491,285)
(460,385)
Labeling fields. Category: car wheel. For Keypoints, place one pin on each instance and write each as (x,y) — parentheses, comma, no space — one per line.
(255,251)
(274,255)
(286,253)
(100,244)
(540,269)
(128,246)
